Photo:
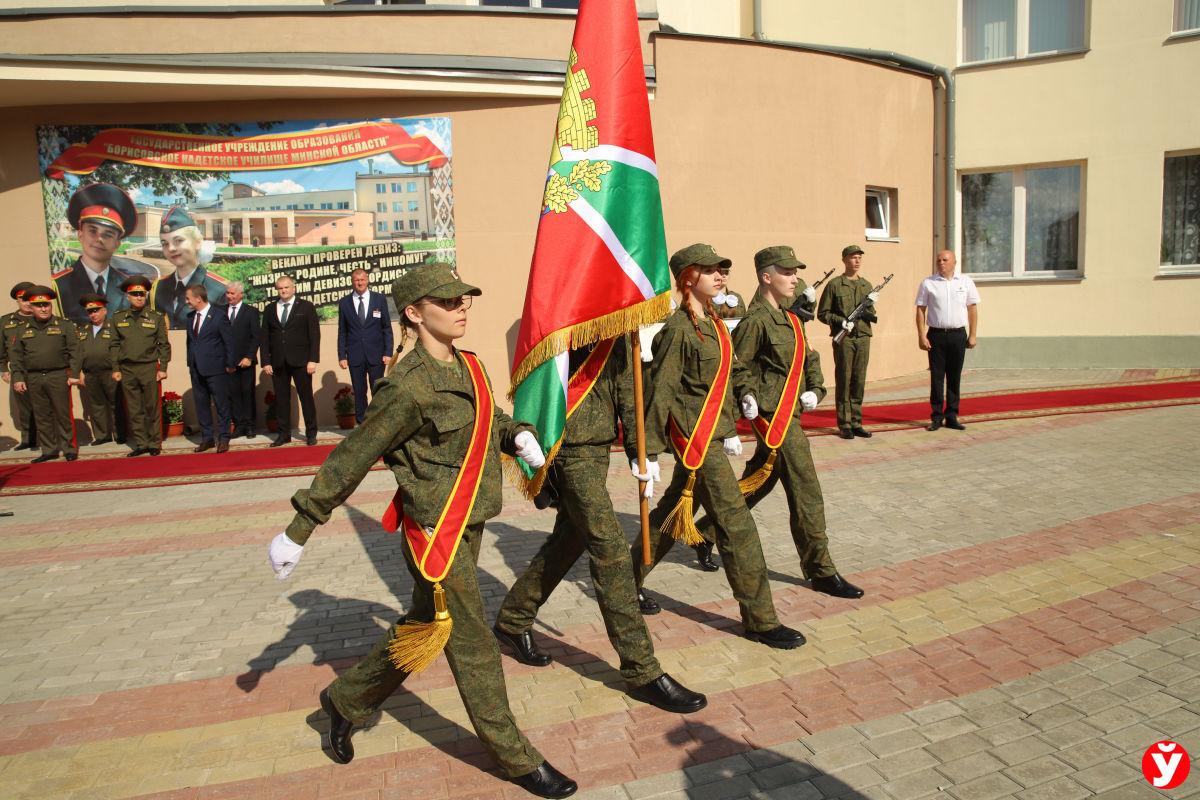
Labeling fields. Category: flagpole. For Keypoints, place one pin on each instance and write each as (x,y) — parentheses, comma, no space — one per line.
(635,345)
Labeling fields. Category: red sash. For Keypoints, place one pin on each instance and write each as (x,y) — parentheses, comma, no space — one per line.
(434,552)
(581,383)
(691,450)
(774,432)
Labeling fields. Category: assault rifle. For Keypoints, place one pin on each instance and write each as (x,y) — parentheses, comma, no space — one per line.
(861,309)
(799,310)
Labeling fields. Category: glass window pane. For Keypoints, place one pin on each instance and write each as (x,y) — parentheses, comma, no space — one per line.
(987,210)
(989,29)
(875,220)
(561,4)
(1187,15)
(1181,210)
(522,3)
(1052,219)
(1055,25)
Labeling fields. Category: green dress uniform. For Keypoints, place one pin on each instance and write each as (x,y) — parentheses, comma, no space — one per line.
(44,356)
(101,394)
(840,297)
(139,350)
(420,422)
(11,325)
(684,368)
(586,521)
(766,343)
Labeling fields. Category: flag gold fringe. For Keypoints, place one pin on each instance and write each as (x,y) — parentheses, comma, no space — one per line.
(680,524)
(417,644)
(528,487)
(755,480)
(593,330)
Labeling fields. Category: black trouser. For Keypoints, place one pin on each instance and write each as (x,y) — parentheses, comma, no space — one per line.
(209,390)
(241,399)
(284,376)
(103,401)
(947,351)
(362,377)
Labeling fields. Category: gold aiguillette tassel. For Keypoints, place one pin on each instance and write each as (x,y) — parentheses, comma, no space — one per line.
(680,524)
(755,480)
(417,644)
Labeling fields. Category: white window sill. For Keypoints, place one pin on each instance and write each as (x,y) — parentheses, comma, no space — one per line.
(1194,33)
(893,239)
(1025,277)
(1179,271)
(970,65)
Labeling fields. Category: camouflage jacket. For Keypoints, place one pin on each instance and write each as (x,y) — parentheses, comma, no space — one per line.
(139,337)
(419,422)
(48,346)
(10,325)
(611,398)
(765,342)
(840,296)
(684,368)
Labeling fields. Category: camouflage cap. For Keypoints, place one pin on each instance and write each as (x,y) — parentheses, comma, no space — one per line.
(851,249)
(435,279)
(702,255)
(779,255)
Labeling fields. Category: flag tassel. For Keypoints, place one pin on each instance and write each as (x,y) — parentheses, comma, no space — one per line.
(417,644)
(680,524)
(755,480)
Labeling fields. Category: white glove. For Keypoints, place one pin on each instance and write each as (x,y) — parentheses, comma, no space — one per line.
(810,294)
(731,300)
(719,300)
(749,407)
(733,446)
(284,555)
(651,476)
(528,449)
(808,401)
(872,296)
(847,325)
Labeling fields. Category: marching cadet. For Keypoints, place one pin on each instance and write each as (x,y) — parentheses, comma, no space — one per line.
(101,394)
(435,424)
(586,521)
(45,365)
(11,324)
(850,356)
(770,341)
(696,378)
(140,352)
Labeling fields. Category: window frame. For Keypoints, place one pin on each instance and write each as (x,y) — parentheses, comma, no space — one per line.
(1173,270)
(889,207)
(1021,37)
(1017,270)
(1176,15)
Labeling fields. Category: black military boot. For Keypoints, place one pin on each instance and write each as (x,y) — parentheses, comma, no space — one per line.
(546,781)
(781,638)
(339,731)
(836,586)
(647,606)
(523,647)
(704,552)
(669,695)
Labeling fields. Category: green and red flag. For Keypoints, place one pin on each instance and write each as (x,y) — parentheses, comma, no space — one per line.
(600,262)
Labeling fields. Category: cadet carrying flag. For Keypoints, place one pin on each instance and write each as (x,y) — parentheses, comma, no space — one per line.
(600,261)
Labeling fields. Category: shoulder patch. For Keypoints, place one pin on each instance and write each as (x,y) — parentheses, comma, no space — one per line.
(217,278)
(62,273)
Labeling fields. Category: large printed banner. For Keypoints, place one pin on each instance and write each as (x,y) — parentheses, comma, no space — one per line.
(217,203)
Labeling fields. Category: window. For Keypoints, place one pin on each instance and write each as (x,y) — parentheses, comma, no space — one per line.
(1187,15)
(381,188)
(381,226)
(381,207)
(412,186)
(343,205)
(397,188)
(291,207)
(994,30)
(327,206)
(1181,212)
(881,214)
(397,206)
(412,205)
(413,225)
(1022,222)
(397,224)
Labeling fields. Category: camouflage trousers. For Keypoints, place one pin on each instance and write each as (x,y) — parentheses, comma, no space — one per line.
(716,490)
(850,379)
(586,521)
(474,659)
(806,506)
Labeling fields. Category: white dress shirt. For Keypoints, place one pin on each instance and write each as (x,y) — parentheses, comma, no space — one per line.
(946,299)
(200,315)
(280,306)
(234,310)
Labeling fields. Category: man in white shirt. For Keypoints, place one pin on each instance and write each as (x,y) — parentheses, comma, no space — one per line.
(947,321)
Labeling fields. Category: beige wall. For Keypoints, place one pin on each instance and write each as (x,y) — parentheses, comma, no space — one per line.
(924,29)
(709,17)
(727,177)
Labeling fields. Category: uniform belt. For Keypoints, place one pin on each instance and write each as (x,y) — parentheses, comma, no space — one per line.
(45,372)
(932,328)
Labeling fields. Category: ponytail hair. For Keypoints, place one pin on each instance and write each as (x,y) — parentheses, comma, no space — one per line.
(683,282)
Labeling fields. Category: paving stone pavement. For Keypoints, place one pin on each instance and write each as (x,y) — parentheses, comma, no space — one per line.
(1032,625)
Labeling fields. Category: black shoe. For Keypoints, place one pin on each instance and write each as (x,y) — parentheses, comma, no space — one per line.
(860,432)
(955,425)
(704,553)
(72,456)
(845,433)
(340,728)
(23,446)
(933,426)
(647,606)
(207,444)
(546,781)
(781,638)
(105,440)
(837,586)
(310,439)
(669,695)
(153,451)
(523,647)
(42,459)
(137,451)
(280,441)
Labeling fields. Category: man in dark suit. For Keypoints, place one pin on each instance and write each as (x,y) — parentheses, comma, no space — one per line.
(364,338)
(245,322)
(291,346)
(210,361)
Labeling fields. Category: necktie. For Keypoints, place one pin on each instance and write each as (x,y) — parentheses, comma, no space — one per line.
(100,284)
(196,327)
(362,309)
(180,292)
(287,307)
(232,313)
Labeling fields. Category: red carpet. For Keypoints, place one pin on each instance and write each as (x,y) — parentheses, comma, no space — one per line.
(250,461)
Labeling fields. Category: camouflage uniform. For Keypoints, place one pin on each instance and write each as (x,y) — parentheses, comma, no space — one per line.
(684,368)
(139,350)
(764,341)
(586,521)
(43,356)
(420,421)
(841,296)
(11,325)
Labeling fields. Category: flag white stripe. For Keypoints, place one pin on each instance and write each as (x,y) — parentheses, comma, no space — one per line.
(596,221)
(610,152)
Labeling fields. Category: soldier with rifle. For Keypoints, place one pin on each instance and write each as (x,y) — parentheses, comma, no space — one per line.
(805,304)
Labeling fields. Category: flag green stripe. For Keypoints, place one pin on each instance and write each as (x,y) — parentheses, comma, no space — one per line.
(541,400)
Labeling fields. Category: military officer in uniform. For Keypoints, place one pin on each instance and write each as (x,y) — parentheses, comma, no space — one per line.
(11,324)
(840,297)
(101,394)
(140,353)
(586,521)
(45,364)
(182,246)
(421,421)
(766,342)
